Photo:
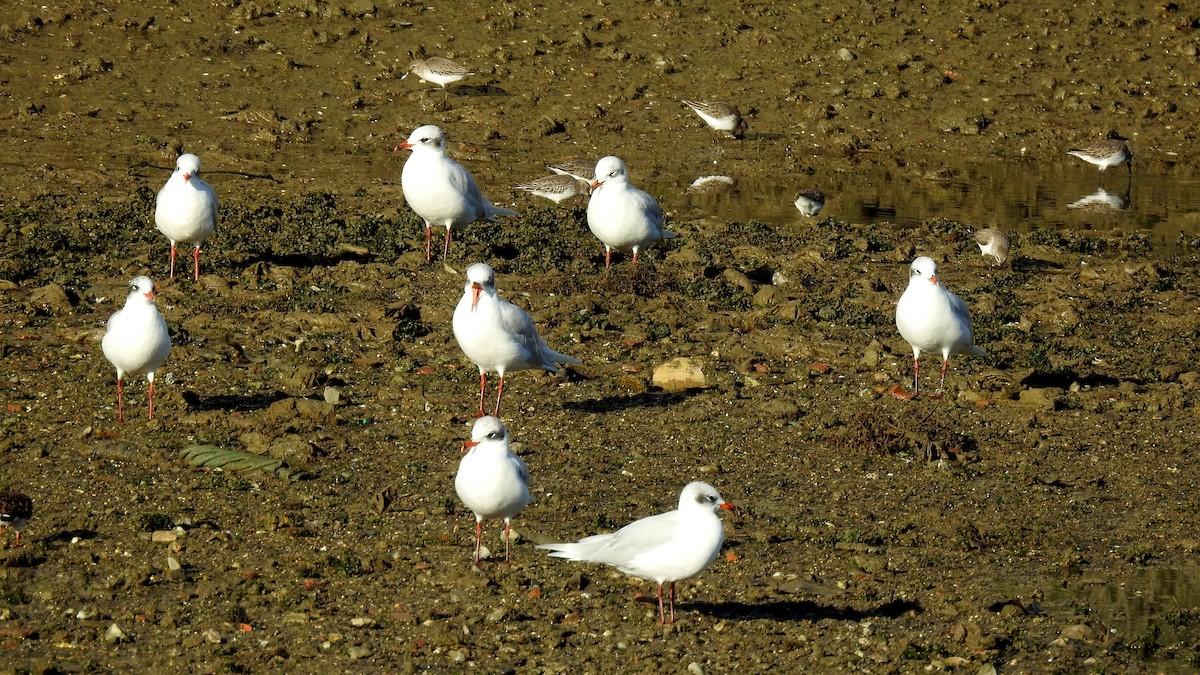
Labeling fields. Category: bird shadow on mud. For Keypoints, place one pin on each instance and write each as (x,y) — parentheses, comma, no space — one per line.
(646,399)
(799,610)
(231,402)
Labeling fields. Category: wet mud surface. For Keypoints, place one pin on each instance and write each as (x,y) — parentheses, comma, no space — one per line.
(1003,525)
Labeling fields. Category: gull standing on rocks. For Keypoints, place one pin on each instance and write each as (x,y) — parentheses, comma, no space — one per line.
(720,116)
(994,242)
(491,480)
(665,548)
(15,510)
(498,336)
(136,341)
(933,319)
(620,215)
(186,209)
(557,188)
(440,190)
(438,70)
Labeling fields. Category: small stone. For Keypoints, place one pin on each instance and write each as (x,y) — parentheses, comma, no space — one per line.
(211,636)
(163,536)
(173,564)
(679,374)
(333,395)
(362,622)
(695,668)
(845,54)
(114,634)
(497,615)
(1043,398)
(356,652)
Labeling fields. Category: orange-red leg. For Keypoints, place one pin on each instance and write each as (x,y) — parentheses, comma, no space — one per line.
(120,401)
(196,264)
(172,260)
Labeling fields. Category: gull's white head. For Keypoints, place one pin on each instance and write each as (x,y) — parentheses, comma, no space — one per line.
(697,495)
(188,165)
(428,137)
(486,429)
(923,268)
(141,287)
(480,277)
(610,169)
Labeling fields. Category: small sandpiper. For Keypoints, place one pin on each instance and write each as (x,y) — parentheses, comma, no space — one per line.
(437,70)
(583,169)
(15,510)
(994,242)
(810,202)
(557,188)
(720,115)
(1110,152)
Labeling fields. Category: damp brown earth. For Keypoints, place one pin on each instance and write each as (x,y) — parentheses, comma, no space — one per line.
(1039,517)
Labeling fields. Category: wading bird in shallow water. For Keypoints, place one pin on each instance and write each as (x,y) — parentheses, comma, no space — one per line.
(620,215)
(491,480)
(136,341)
(1112,151)
(932,319)
(186,209)
(665,548)
(15,510)
(440,190)
(498,336)
(810,202)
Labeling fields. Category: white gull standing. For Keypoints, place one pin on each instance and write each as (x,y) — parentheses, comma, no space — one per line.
(620,215)
(665,548)
(491,480)
(498,336)
(933,319)
(440,190)
(186,209)
(136,341)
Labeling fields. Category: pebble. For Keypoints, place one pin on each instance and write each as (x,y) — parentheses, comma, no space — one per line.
(362,622)
(114,634)
(695,668)
(173,564)
(356,652)
(680,373)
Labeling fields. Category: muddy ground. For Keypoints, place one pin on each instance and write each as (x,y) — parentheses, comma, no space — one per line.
(1038,518)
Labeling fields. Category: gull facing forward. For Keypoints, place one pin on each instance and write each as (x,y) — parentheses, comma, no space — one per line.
(620,215)
(498,336)
(440,190)
(136,341)
(665,548)
(186,209)
(933,319)
(491,480)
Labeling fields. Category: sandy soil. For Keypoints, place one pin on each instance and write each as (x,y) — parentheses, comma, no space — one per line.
(1038,518)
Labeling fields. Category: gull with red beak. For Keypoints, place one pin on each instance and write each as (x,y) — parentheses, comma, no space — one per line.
(491,480)
(186,209)
(136,340)
(933,319)
(664,548)
(440,190)
(620,215)
(498,336)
